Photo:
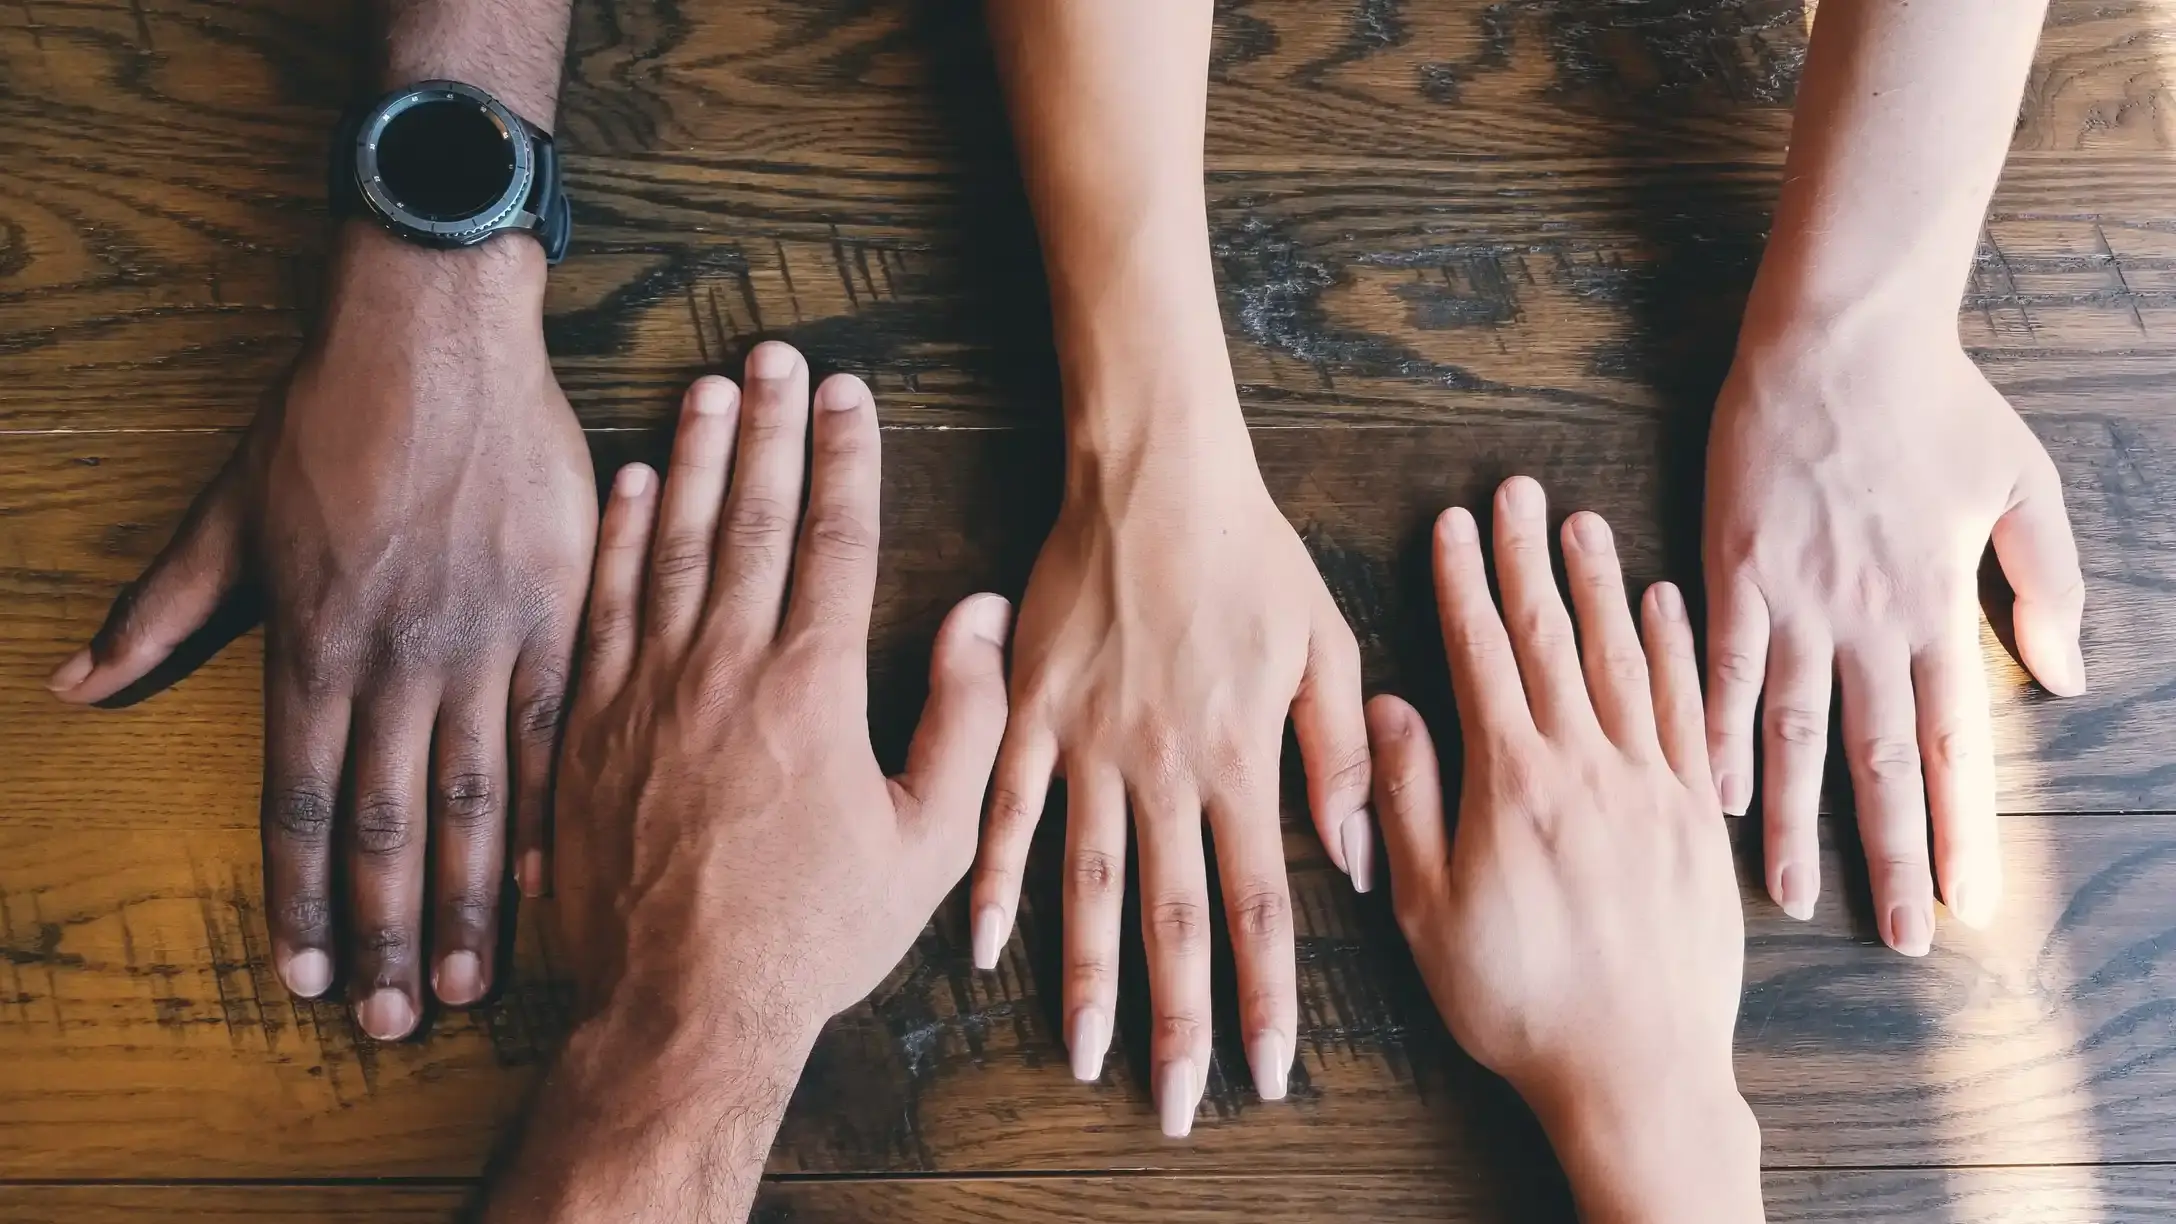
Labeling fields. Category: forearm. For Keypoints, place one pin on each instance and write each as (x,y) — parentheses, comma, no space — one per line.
(643,1118)
(511,49)
(1685,1151)
(1108,105)
(1905,113)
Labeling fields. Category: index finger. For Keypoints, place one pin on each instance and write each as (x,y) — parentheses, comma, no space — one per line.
(834,578)
(1484,676)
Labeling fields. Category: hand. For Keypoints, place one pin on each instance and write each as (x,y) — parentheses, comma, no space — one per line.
(1852,487)
(1171,622)
(1582,934)
(733,867)
(417,519)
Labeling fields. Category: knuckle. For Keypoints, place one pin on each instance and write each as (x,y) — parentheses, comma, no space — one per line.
(1180,927)
(1403,792)
(538,719)
(1889,758)
(1797,726)
(1624,665)
(1261,912)
(611,625)
(839,536)
(469,799)
(1010,816)
(306,915)
(1092,873)
(1951,747)
(1351,771)
(1736,666)
(756,519)
(468,910)
(680,559)
(1177,1030)
(1542,631)
(1088,971)
(383,825)
(388,945)
(301,812)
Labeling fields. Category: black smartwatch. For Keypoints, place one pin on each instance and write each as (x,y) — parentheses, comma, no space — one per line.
(443,164)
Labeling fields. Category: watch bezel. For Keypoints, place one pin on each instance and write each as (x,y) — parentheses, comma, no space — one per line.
(460,231)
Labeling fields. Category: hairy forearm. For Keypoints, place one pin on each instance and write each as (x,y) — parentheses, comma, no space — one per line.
(1108,104)
(512,49)
(1905,112)
(647,1118)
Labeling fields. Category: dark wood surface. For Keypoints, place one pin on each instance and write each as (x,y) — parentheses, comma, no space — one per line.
(1456,239)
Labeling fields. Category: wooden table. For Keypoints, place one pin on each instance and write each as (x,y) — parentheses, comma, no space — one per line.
(1456,240)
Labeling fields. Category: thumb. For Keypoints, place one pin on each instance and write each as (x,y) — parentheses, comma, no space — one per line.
(2040,558)
(172,599)
(948,764)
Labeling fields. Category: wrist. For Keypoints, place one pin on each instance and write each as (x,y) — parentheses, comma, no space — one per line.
(1808,287)
(496,280)
(1680,1148)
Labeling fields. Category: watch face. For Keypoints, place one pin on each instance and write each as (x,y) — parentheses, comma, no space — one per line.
(445,159)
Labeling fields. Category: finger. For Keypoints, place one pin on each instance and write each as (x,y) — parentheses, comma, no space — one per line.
(1540,628)
(1333,737)
(1956,742)
(1258,910)
(1025,761)
(175,596)
(1738,654)
(305,743)
(948,762)
(834,575)
(1794,744)
(539,696)
(2040,558)
(1610,651)
(1881,742)
(468,822)
(687,517)
(391,755)
(755,547)
(1094,896)
(1175,935)
(615,588)
(1674,669)
(1409,795)
(1484,673)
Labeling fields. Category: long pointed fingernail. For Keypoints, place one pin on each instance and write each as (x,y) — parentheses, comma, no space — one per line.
(2073,679)
(1265,1058)
(1735,793)
(386,1015)
(1795,891)
(529,875)
(1911,930)
(307,973)
(1359,845)
(1175,1097)
(459,979)
(1086,1039)
(72,673)
(989,936)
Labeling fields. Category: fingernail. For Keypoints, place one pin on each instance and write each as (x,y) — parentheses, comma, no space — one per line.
(1669,601)
(1734,792)
(72,673)
(459,980)
(1910,930)
(1796,889)
(711,396)
(1591,532)
(1458,525)
(1359,846)
(1522,496)
(1265,1057)
(1175,1097)
(989,936)
(1086,1039)
(2074,665)
(307,973)
(530,874)
(1969,904)
(770,359)
(386,1015)
(632,480)
(989,617)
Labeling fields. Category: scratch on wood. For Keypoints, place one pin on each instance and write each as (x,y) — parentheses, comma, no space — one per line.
(695,321)
(785,272)
(846,275)
(2123,282)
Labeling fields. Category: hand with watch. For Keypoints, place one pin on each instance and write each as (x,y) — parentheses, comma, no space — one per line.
(414,520)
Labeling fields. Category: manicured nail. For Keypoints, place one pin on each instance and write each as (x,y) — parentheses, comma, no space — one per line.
(307,973)
(1735,792)
(1522,496)
(989,617)
(529,875)
(1669,601)
(72,673)
(1911,930)
(1591,532)
(989,936)
(1086,1039)
(386,1015)
(1795,891)
(459,980)
(1175,1097)
(632,480)
(770,359)
(1359,846)
(2073,679)
(1265,1057)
